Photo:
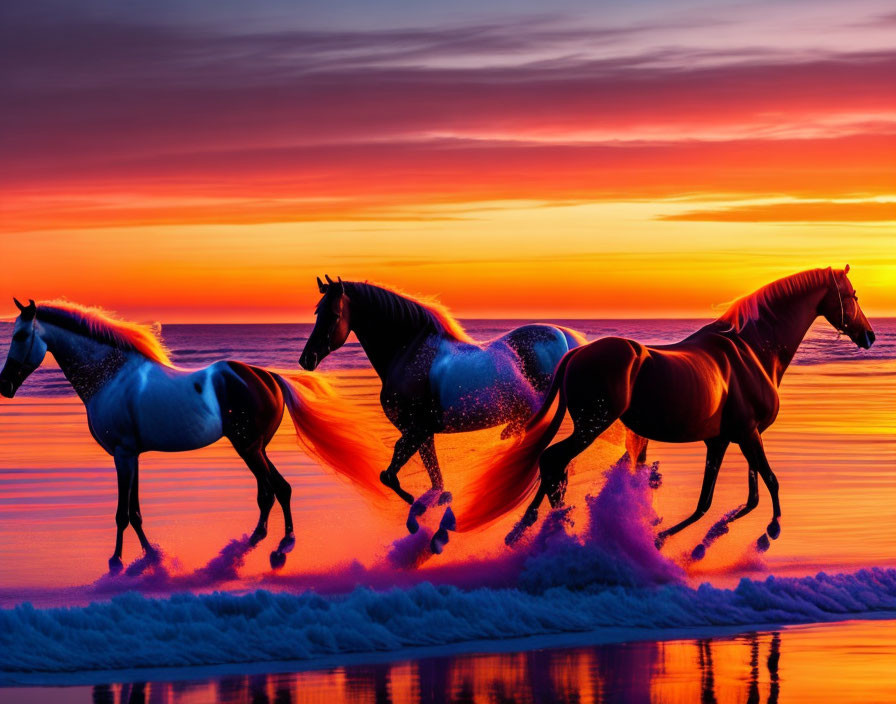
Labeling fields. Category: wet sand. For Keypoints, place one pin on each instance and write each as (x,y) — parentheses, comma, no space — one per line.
(843,662)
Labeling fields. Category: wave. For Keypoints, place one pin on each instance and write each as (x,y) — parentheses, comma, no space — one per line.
(133,630)
(610,576)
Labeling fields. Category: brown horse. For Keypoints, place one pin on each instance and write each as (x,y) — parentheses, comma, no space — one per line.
(720,385)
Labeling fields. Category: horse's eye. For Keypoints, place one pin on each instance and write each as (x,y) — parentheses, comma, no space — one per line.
(20,336)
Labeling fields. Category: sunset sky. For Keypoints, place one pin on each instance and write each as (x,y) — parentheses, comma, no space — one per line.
(205,161)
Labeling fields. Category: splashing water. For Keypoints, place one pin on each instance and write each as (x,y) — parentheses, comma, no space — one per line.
(150,574)
(617,547)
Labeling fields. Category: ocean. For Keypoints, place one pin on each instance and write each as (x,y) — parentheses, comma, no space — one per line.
(564,614)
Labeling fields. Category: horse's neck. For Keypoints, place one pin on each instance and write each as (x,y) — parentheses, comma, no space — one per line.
(381,337)
(776,338)
(87,364)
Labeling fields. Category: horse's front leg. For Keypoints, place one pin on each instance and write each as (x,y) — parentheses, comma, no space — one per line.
(128,510)
(407,445)
(754,451)
(135,518)
(720,527)
(435,495)
(431,462)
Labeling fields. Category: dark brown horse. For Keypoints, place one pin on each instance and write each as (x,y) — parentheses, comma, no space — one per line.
(720,385)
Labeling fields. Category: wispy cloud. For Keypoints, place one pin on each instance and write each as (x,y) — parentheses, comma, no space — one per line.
(811,211)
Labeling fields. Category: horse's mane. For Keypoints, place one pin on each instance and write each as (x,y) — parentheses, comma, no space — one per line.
(104,327)
(405,307)
(749,308)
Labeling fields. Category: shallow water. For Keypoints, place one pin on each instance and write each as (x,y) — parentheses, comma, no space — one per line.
(844,662)
(833,448)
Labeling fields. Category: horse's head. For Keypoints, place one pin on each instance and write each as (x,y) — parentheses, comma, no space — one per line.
(26,351)
(840,307)
(333,324)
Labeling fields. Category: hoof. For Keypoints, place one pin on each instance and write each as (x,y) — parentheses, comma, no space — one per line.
(659,541)
(115,565)
(257,536)
(287,543)
(774,529)
(448,522)
(439,541)
(445,498)
(418,508)
(278,559)
(698,553)
(762,544)
(152,555)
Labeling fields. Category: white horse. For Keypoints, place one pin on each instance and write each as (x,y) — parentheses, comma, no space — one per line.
(137,401)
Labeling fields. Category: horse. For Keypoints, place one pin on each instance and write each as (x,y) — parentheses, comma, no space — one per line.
(719,385)
(138,401)
(435,377)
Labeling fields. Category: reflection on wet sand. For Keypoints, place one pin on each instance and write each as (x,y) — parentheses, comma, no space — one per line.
(726,670)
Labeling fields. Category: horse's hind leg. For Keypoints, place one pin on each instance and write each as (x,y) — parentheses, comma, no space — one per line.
(283,492)
(552,470)
(715,452)
(258,464)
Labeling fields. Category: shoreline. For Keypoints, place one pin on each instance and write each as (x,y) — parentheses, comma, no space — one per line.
(558,641)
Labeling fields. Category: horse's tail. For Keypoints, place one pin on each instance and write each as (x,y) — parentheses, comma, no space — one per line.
(335,431)
(509,475)
(573,337)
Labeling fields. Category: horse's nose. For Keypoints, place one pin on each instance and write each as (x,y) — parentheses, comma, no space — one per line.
(308,361)
(869,339)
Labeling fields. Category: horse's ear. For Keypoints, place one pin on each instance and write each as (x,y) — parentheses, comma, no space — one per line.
(327,277)
(29,311)
(846,269)
(321,286)
(340,287)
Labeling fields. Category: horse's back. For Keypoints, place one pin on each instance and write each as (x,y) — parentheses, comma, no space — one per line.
(149,406)
(540,347)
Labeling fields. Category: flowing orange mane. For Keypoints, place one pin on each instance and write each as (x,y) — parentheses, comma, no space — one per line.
(105,327)
(749,308)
